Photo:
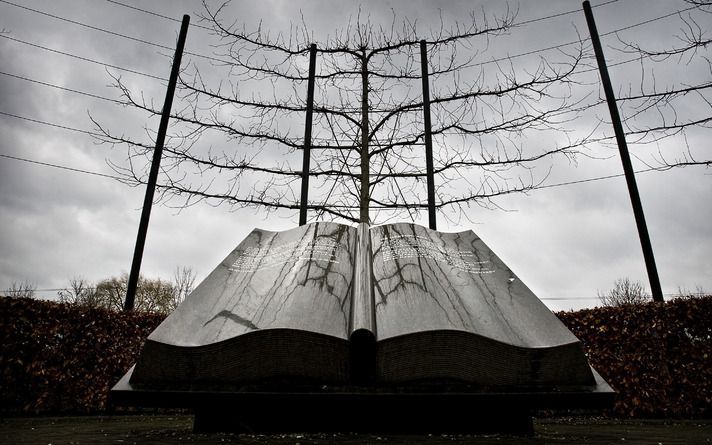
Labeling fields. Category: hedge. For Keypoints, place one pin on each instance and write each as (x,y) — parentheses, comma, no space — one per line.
(58,358)
(657,356)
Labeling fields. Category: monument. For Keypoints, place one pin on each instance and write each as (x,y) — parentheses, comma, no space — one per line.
(333,327)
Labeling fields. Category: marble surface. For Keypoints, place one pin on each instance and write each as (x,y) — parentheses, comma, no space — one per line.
(392,303)
(426,280)
(296,279)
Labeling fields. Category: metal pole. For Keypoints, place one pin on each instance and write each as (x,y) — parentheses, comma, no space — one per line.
(307,137)
(625,158)
(155,165)
(428,135)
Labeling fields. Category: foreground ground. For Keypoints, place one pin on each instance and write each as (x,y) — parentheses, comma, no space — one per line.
(163,429)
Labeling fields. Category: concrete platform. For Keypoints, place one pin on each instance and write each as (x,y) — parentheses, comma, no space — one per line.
(439,409)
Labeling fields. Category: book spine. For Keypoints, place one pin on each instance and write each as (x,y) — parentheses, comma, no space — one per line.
(363,314)
(362,336)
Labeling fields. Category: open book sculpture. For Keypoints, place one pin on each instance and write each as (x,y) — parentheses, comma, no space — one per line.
(392,306)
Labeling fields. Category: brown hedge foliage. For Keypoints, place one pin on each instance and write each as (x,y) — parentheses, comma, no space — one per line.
(60,358)
(658,356)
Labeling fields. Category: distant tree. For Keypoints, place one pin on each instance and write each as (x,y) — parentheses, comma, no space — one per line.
(152,295)
(625,292)
(21,290)
(699,292)
(183,283)
(80,292)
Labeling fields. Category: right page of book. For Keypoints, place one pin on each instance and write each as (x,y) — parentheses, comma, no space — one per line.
(446,297)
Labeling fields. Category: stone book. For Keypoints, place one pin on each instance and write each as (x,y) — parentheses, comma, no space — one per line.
(332,304)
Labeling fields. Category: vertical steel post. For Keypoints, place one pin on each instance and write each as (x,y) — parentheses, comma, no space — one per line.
(155,166)
(655,288)
(306,155)
(428,135)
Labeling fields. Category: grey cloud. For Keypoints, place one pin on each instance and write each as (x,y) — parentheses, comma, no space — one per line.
(567,241)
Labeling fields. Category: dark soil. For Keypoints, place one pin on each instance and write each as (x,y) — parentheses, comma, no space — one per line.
(172,429)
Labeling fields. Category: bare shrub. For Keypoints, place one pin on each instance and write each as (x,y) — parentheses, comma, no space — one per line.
(625,292)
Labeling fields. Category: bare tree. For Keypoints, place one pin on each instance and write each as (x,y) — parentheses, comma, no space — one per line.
(183,283)
(699,292)
(80,292)
(239,125)
(368,133)
(653,111)
(625,292)
(23,289)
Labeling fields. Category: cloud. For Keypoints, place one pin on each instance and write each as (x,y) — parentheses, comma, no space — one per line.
(567,241)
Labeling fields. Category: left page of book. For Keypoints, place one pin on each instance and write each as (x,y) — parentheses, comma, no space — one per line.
(255,304)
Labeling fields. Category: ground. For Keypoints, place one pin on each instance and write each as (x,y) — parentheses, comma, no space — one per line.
(171,429)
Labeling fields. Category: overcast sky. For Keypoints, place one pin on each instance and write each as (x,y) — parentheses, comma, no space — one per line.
(566,242)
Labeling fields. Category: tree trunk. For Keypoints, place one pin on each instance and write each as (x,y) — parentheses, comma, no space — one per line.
(364,142)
